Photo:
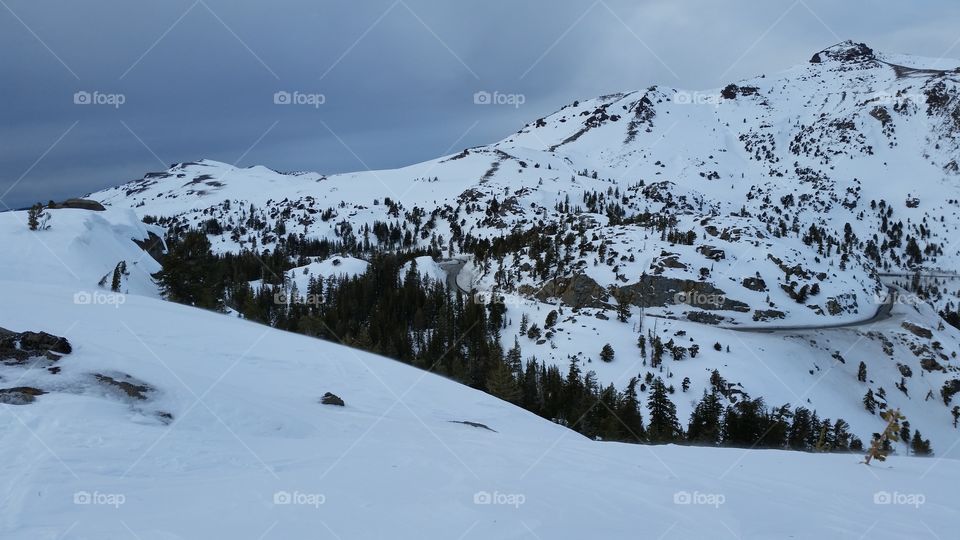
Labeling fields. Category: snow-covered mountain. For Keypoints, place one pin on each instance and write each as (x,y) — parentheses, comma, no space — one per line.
(155,420)
(761,225)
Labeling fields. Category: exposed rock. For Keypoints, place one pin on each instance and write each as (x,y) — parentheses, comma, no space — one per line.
(755,284)
(905,370)
(81,204)
(131,387)
(472,424)
(712,253)
(579,291)
(667,260)
(767,314)
(705,318)
(331,399)
(18,347)
(918,331)
(44,342)
(930,364)
(731,91)
(659,291)
(20,395)
(846,51)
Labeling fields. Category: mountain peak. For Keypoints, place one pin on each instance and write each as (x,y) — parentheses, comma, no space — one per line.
(845,51)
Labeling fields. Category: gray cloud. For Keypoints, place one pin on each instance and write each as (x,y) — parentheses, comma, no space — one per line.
(398,77)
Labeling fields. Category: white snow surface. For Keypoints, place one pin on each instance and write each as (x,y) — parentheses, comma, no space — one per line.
(251,452)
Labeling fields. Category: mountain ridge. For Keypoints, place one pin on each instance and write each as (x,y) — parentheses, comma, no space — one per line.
(776,201)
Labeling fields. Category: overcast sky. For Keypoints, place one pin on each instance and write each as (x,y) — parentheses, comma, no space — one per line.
(180,80)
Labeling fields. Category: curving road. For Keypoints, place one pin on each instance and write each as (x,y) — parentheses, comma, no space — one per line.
(453,266)
(883,313)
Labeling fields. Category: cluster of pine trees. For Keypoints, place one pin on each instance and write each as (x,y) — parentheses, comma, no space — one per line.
(400,315)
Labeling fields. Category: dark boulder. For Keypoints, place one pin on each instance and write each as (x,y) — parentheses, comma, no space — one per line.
(331,399)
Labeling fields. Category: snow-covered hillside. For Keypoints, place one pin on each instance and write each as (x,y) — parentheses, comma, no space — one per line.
(169,422)
(787,202)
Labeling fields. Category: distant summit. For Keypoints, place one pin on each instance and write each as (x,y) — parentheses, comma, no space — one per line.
(845,51)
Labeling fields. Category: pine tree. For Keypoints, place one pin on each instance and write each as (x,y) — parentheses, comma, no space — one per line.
(118,272)
(607,354)
(870,402)
(862,372)
(37,218)
(502,384)
(663,426)
(705,420)
(515,357)
(189,273)
(629,414)
(919,445)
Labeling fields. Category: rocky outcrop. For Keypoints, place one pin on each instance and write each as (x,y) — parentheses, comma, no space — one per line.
(918,331)
(578,291)
(755,284)
(16,347)
(658,291)
(81,204)
(712,253)
(761,315)
(126,385)
(21,395)
(846,51)
(331,399)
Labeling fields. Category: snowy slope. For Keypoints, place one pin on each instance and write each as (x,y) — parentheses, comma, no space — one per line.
(81,248)
(251,453)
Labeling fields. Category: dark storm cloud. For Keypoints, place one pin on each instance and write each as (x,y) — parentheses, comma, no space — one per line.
(398,77)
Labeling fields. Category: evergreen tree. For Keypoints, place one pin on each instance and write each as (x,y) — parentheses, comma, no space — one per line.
(188,274)
(705,421)
(663,426)
(862,372)
(502,384)
(870,402)
(515,357)
(629,414)
(37,218)
(919,445)
(607,354)
(118,272)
